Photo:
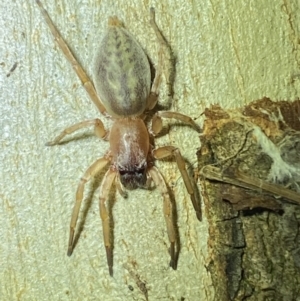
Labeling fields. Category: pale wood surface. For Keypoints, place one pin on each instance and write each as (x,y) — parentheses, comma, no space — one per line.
(227,52)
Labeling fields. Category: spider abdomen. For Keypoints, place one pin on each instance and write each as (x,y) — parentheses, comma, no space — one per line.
(122,74)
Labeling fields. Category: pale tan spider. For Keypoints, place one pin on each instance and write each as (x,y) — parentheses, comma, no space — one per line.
(123,82)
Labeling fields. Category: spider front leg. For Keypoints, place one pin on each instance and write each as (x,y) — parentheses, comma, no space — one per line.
(90,172)
(168,213)
(98,128)
(166,151)
(104,192)
(152,99)
(87,83)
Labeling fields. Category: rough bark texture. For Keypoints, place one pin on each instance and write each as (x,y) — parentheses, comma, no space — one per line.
(253,234)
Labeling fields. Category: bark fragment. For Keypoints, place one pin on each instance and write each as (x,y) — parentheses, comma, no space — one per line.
(252,205)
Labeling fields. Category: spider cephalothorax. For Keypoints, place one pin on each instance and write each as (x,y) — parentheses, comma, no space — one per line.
(130,154)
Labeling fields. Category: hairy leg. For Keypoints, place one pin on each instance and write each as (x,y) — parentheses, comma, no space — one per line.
(90,172)
(168,212)
(166,151)
(87,84)
(104,214)
(98,128)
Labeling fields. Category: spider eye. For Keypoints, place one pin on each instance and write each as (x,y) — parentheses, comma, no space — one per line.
(132,179)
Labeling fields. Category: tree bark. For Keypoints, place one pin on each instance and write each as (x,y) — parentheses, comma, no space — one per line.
(254,241)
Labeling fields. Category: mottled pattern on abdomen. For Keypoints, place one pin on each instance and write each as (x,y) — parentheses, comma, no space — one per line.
(122,75)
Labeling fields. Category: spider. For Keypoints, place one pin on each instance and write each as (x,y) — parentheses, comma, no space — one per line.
(122,79)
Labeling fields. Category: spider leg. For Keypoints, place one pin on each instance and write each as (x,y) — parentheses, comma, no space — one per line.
(104,192)
(152,100)
(168,212)
(156,125)
(166,151)
(90,172)
(87,84)
(98,128)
